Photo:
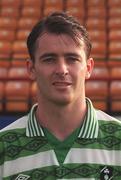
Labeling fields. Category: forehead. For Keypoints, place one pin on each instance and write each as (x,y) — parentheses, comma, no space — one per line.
(51,41)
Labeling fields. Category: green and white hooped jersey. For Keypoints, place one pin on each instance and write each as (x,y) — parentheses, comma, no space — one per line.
(92,152)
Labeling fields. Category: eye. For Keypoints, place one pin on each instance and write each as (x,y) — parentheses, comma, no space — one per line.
(48,60)
(73,59)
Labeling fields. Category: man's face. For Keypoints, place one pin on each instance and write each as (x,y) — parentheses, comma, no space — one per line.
(60,69)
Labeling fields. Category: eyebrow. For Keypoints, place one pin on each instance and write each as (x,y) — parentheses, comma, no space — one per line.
(56,55)
(72,54)
(48,55)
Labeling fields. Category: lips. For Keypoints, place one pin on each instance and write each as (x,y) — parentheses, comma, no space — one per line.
(58,83)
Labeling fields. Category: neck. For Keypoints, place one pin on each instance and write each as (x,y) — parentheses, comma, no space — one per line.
(61,120)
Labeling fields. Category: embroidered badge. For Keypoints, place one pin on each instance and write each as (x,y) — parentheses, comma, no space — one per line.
(22,177)
(106,173)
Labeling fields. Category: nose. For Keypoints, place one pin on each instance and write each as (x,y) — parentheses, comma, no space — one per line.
(61,67)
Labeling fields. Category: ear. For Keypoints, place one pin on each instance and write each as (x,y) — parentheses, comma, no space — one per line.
(90,65)
(31,69)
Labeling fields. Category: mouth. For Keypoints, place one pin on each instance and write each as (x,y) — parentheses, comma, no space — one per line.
(61,84)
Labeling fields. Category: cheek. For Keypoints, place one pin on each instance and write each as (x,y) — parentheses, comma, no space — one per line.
(42,83)
(42,77)
(81,71)
(81,77)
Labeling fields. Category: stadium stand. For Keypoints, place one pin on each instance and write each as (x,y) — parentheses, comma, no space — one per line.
(2,90)
(11,3)
(50,6)
(115,95)
(19,49)
(17,95)
(5,49)
(33,92)
(28,21)
(3,73)
(98,92)
(33,3)
(76,8)
(7,35)
(8,23)
(102,19)
(18,73)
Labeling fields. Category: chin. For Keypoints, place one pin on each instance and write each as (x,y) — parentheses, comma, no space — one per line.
(62,101)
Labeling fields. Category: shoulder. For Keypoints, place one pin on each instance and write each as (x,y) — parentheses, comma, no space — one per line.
(102,116)
(18,124)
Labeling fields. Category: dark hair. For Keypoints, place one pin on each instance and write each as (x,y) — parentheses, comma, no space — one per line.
(58,23)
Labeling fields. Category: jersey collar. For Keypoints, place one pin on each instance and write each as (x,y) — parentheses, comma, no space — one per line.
(89,128)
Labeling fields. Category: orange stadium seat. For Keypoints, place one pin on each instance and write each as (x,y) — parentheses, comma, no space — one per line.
(96,23)
(98,63)
(76,8)
(114,63)
(73,3)
(79,13)
(19,47)
(98,91)
(19,56)
(5,62)
(50,6)
(2,90)
(5,50)
(55,3)
(99,50)
(112,3)
(26,23)
(31,12)
(11,3)
(17,95)
(3,73)
(19,50)
(114,23)
(95,12)
(114,50)
(114,12)
(6,35)
(98,35)
(19,60)
(96,3)
(8,23)
(115,35)
(32,3)
(100,73)
(22,35)
(18,73)
(10,12)
(115,96)
(33,92)
(115,73)
(51,9)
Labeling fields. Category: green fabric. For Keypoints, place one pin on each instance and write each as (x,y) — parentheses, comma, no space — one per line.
(89,127)
(29,152)
(61,148)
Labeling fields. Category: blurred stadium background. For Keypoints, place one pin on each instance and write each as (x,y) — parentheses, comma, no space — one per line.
(102,18)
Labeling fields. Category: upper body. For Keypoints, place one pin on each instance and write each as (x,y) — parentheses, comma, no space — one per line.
(92,151)
(60,63)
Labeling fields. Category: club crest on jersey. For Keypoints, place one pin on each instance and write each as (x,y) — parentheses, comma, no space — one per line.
(22,177)
(106,173)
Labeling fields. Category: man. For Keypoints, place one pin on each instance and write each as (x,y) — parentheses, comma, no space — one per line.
(63,136)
